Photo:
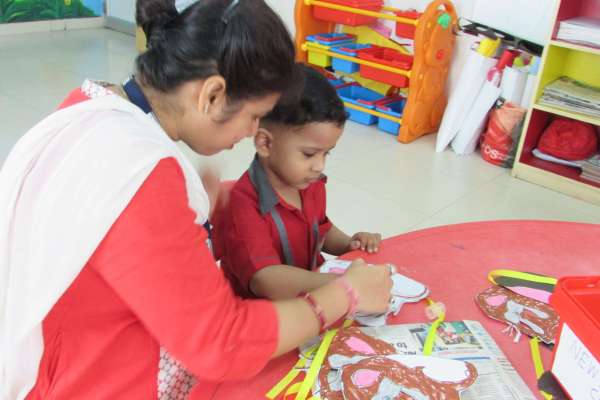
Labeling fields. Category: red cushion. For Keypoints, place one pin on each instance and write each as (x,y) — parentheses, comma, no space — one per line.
(568,139)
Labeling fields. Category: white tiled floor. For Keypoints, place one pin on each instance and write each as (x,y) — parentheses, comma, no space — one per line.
(375,183)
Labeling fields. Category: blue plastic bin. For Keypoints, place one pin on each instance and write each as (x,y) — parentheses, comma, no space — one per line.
(351,50)
(362,97)
(336,82)
(393,109)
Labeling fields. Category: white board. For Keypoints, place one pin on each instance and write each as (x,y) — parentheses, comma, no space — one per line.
(529,20)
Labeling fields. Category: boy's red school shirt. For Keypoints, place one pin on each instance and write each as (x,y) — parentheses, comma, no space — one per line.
(152,284)
(245,236)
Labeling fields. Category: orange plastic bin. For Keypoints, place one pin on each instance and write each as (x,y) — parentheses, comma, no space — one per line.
(385,56)
(345,17)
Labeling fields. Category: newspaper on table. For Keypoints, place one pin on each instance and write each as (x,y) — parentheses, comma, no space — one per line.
(459,340)
(572,95)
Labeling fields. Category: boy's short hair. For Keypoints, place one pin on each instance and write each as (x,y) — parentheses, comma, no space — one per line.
(318,102)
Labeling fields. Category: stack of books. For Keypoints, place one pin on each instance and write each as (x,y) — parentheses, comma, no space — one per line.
(582,30)
(571,95)
(590,169)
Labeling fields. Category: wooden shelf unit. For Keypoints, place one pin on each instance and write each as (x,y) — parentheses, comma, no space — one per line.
(560,58)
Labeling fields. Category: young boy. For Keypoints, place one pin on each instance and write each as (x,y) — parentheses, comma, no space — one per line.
(270,234)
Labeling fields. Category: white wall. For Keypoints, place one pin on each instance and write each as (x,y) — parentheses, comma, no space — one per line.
(121,9)
(530,20)
(285,9)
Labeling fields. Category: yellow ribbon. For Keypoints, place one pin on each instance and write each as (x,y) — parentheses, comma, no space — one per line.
(299,366)
(520,275)
(431,334)
(289,378)
(534,346)
(315,365)
(295,388)
(291,375)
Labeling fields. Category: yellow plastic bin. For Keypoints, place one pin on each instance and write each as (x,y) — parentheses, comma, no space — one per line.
(326,41)
(319,59)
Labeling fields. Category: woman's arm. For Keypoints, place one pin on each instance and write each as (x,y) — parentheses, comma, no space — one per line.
(280,282)
(298,322)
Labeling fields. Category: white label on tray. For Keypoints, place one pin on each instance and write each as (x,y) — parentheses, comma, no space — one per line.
(576,368)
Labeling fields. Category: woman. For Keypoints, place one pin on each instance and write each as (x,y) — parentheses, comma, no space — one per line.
(108,289)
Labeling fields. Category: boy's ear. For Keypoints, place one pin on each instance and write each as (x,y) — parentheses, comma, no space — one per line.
(212,96)
(263,140)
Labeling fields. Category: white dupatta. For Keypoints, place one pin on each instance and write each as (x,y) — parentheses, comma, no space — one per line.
(61,188)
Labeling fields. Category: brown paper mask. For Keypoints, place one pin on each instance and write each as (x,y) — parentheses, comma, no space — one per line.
(407,377)
(523,314)
(350,342)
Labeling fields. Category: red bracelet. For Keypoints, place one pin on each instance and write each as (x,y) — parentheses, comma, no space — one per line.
(351,293)
(317,309)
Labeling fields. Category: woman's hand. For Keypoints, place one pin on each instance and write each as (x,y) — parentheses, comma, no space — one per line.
(373,285)
(298,321)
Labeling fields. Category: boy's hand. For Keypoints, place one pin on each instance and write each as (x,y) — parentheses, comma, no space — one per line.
(365,241)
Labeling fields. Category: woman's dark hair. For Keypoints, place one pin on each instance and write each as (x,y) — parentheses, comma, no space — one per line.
(319,102)
(242,40)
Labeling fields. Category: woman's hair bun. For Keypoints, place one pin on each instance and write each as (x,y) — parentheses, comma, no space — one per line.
(152,15)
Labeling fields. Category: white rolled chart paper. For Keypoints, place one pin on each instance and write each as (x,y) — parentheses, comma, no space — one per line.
(462,98)
(466,140)
(528,92)
(513,85)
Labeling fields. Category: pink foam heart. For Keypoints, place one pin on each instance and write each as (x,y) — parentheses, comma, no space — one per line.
(495,301)
(359,345)
(536,294)
(365,377)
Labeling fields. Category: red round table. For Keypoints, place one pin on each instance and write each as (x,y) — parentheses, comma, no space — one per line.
(454,262)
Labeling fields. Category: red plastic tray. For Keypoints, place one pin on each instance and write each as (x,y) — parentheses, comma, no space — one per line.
(407,30)
(385,56)
(348,18)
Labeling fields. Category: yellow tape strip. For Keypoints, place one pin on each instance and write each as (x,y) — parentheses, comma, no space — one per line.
(315,365)
(295,371)
(289,378)
(295,388)
(291,375)
(534,346)
(429,341)
(520,275)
